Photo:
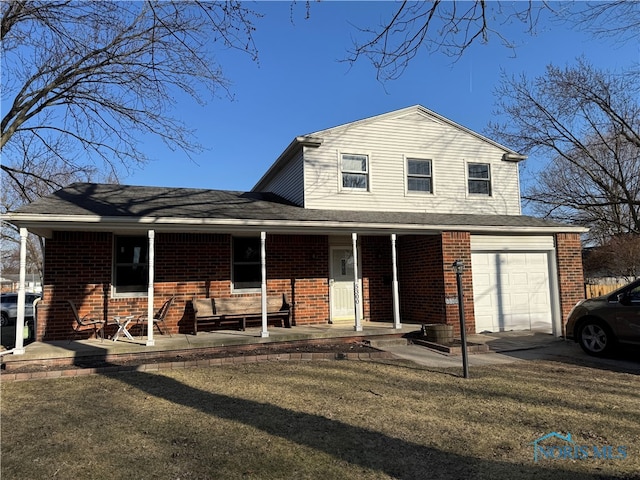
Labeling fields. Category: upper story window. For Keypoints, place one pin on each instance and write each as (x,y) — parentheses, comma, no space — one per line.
(479,178)
(131,265)
(419,176)
(247,267)
(355,171)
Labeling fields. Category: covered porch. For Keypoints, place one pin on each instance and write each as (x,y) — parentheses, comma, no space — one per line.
(188,348)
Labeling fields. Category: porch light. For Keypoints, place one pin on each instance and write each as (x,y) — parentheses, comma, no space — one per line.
(458,267)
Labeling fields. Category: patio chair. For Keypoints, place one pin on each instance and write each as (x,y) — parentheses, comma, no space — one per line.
(85,323)
(158,318)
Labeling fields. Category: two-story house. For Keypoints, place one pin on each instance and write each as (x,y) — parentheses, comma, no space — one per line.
(360,222)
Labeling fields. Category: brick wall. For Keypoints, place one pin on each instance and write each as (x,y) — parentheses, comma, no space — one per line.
(457,246)
(421,279)
(377,276)
(570,273)
(78,267)
(427,280)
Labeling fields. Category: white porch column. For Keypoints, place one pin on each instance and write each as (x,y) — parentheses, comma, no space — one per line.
(19,345)
(263,285)
(356,283)
(152,237)
(396,296)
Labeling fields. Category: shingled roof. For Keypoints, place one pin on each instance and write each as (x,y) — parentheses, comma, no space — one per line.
(94,203)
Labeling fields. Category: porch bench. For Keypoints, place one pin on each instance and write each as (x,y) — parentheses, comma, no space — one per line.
(239,310)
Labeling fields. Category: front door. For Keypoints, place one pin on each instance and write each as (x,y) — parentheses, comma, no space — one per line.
(341,283)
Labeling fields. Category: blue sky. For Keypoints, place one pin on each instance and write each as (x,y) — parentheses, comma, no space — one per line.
(300,86)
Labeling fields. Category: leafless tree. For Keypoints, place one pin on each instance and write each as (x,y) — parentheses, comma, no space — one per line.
(97,77)
(84,83)
(417,29)
(586,124)
(618,257)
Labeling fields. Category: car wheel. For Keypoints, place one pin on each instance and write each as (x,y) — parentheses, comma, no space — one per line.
(595,338)
(4,320)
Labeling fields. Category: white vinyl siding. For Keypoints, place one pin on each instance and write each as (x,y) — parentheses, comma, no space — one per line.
(388,141)
(289,183)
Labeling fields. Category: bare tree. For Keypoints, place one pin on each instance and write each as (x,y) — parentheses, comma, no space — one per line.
(618,257)
(586,124)
(95,77)
(83,84)
(452,27)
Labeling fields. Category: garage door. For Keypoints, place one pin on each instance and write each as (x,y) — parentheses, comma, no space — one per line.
(511,291)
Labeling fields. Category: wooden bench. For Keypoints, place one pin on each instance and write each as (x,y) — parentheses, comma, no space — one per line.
(216,311)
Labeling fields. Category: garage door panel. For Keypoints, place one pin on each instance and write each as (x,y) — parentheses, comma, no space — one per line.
(519,279)
(515,259)
(511,291)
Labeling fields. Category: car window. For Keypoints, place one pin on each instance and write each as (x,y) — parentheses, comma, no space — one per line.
(10,299)
(634,294)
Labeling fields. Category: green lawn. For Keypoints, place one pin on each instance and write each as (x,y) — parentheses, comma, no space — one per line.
(320,420)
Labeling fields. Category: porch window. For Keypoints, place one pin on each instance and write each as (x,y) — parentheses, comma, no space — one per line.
(247,271)
(131,269)
(419,177)
(355,171)
(479,179)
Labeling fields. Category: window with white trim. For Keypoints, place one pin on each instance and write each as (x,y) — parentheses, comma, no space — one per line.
(131,265)
(355,171)
(479,178)
(247,266)
(419,176)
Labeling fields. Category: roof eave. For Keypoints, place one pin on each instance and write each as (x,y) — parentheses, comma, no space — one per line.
(45,226)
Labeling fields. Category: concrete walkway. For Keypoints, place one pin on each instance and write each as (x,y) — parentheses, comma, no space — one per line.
(504,347)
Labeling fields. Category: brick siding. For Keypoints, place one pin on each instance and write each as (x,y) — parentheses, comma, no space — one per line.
(570,272)
(78,267)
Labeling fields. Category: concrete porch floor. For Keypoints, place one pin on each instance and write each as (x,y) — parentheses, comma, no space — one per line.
(72,352)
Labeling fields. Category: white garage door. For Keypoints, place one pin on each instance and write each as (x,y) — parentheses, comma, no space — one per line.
(511,291)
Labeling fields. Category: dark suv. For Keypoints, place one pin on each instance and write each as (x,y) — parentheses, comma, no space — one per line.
(9,306)
(599,323)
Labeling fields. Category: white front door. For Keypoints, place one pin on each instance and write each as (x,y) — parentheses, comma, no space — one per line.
(341,283)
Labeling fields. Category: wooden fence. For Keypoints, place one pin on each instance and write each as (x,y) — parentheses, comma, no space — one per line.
(595,290)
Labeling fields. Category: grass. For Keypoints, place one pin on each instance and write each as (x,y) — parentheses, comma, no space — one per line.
(329,420)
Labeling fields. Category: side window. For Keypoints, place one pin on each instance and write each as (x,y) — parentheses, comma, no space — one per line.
(355,171)
(419,176)
(479,178)
(247,269)
(131,267)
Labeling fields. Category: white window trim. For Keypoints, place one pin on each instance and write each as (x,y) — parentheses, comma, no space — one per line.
(490,180)
(340,172)
(408,192)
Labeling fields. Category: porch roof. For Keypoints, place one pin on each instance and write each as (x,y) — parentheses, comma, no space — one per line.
(110,207)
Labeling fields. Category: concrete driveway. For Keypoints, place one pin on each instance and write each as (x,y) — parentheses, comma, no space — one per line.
(509,347)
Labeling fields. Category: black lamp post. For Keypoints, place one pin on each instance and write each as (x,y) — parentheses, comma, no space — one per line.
(458,267)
